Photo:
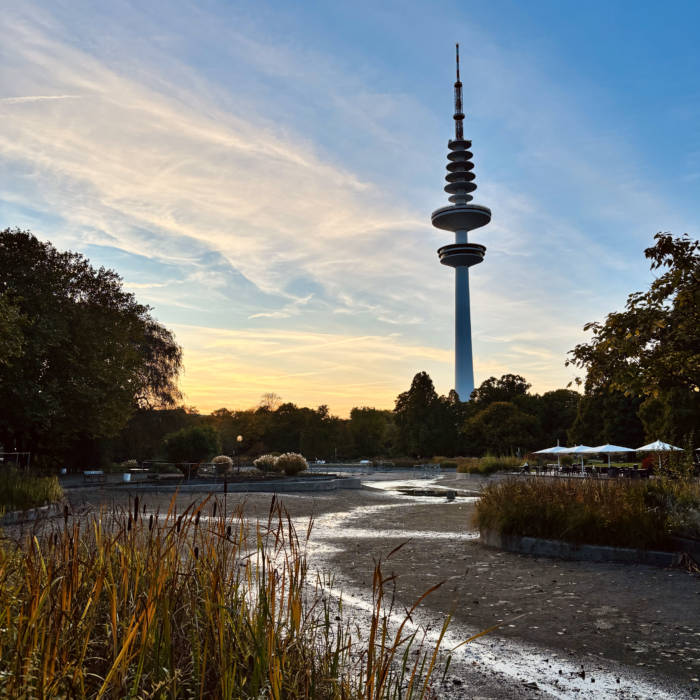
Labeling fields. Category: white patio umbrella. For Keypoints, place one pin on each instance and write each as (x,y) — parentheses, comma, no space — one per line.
(579,449)
(558,451)
(659,447)
(609,450)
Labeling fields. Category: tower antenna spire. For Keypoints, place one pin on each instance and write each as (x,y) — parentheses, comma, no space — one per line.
(461,217)
(459,114)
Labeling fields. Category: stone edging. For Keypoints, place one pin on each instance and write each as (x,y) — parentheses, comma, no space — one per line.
(250,487)
(583,552)
(21,516)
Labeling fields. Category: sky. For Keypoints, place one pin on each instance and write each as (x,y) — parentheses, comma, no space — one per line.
(263,173)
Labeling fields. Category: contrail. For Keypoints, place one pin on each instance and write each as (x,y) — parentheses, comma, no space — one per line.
(33,98)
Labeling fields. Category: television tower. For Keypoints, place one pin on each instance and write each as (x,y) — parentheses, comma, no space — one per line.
(461,218)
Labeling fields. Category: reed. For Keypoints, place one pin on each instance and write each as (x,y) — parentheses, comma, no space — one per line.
(21,489)
(124,603)
(618,513)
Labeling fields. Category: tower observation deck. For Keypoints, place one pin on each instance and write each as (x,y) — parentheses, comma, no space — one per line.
(461,217)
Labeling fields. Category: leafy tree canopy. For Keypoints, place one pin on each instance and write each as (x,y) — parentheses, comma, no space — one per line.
(368,427)
(193,444)
(427,423)
(504,389)
(501,428)
(84,354)
(652,348)
(654,344)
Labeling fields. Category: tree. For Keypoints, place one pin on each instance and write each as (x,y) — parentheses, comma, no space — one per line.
(508,387)
(270,401)
(90,353)
(321,435)
(604,417)
(426,423)
(11,336)
(557,412)
(191,445)
(368,428)
(652,348)
(501,428)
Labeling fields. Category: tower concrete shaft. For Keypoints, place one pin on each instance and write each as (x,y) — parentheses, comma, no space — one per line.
(461,217)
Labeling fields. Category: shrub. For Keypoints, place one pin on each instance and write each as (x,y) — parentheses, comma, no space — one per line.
(587,511)
(491,464)
(292,463)
(567,460)
(20,490)
(129,464)
(267,463)
(223,463)
(648,462)
(191,445)
(449,464)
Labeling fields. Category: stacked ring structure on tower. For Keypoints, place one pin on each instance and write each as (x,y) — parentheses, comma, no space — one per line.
(461,217)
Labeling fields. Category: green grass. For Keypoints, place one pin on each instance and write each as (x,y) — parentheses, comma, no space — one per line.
(126,604)
(21,490)
(616,513)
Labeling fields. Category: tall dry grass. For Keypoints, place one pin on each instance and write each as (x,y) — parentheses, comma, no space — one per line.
(488,464)
(618,513)
(20,489)
(131,604)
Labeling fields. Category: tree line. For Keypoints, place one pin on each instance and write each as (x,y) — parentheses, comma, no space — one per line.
(87,374)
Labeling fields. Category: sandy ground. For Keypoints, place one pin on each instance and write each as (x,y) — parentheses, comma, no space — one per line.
(587,630)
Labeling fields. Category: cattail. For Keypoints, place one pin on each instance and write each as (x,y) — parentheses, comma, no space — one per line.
(196,520)
(150,523)
(128,527)
(179,523)
(65,514)
(136,508)
(228,532)
(213,515)
(144,509)
(196,553)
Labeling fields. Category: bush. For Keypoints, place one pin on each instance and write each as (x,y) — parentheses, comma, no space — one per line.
(292,463)
(129,464)
(648,462)
(449,464)
(20,490)
(224,464)
(267,464)
(191,445)
(585,511)
(491,464)
(567,460)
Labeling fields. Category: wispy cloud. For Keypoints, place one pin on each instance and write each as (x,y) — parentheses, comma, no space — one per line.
(323,232)
(35,98)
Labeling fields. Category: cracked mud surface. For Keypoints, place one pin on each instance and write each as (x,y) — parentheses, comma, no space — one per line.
(638,623)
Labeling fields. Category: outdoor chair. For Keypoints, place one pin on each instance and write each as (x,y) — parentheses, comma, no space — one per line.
(614,472)
(589,471)
(525,469)
(604,471)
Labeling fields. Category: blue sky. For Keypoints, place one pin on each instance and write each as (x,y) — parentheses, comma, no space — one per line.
(263,174)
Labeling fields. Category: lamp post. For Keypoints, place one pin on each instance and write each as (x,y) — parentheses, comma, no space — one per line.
(240,440)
